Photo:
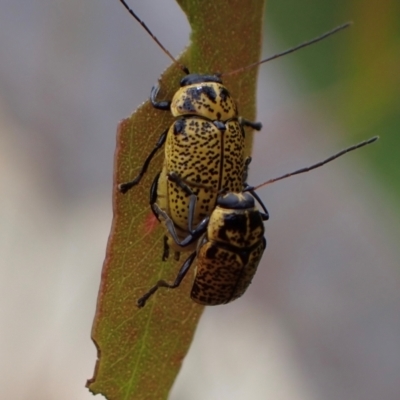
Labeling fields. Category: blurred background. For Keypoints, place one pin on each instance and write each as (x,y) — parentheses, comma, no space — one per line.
(322,318)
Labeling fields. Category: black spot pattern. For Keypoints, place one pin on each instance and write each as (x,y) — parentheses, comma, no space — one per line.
(207,159)
(210,100)
(222,274)
(229,255)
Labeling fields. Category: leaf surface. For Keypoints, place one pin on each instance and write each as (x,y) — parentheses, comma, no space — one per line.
(141,351)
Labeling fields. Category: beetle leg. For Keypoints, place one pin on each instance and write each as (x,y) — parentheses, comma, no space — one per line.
(192,237)
(159,105)
(202,226)
(153,193)
(166,249)
(247,162)
(153,199)
(124,187)
(255,125)
(177,254)
(265,214)
(181,274)
(174,177)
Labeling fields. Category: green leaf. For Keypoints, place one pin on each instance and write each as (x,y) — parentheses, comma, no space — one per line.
(140,352)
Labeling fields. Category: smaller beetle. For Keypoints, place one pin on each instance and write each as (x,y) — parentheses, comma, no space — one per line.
(230,242)
(230,245)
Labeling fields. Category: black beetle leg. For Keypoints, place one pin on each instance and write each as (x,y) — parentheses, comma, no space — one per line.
(255,125)
(174,177)
(192,237)
(124,187)
(181,274)
(265,214)
(159,105)
(247,162)
(153,193)
(166,249)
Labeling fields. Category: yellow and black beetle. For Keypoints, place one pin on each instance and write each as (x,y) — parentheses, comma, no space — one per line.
(230,243)
(204,146)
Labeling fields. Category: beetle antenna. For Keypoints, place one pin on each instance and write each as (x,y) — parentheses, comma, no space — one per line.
(134,15)
(317,165)
(291,50)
